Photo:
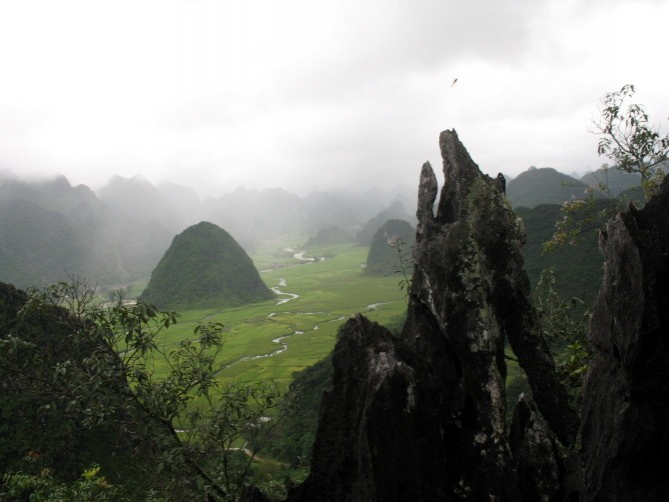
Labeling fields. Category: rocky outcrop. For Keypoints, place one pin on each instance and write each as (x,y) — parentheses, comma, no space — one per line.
(625,431)
(537,460)
(363,450)
(422,417)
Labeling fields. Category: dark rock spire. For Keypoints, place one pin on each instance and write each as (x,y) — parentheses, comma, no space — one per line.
(625,429)
(423,417)
(469,292)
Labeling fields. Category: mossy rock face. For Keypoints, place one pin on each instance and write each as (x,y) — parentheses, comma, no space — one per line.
(204,268)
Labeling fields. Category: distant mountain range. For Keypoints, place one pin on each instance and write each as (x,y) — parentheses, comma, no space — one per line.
(396,211)
(537,196)
(548,186)
(50,229)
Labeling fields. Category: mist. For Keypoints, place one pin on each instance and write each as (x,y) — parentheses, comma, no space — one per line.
(304,95)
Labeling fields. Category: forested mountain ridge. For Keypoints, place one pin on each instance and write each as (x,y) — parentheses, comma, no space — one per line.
(329,235)
(50,229)
(615,181)
(547,186)
(578,269)
(543,186)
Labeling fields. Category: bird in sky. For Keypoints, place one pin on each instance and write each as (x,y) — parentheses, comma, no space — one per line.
(454,81)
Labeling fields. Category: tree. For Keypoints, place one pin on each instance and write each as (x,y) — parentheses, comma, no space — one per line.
(632,145)
(163,400)
(629,141)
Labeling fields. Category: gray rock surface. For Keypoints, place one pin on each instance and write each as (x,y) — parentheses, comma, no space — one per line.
(625,429)
(422,417)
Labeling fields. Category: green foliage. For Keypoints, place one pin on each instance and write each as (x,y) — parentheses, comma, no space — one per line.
(405,265)
(294,438)
(629,141)
(632,146)
(565,326)
(581,218)
(33,418)
(42,486)
(204,267)
(109,378)
(578,269)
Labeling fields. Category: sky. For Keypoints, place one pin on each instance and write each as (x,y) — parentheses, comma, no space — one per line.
(315,94)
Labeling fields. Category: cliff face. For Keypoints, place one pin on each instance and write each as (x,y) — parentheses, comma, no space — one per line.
(469,292)
(625,413)
(421,417)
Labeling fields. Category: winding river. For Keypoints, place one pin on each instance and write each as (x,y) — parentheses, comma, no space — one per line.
(283,346)
(280,340)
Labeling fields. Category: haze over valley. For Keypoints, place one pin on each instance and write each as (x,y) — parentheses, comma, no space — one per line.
(245,255)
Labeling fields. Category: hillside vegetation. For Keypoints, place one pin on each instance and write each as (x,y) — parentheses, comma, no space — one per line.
(390,251)
(543,186)
(578,269)
(50,229)
(204,267)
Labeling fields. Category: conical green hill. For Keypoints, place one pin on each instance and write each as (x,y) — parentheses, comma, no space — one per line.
(204,268)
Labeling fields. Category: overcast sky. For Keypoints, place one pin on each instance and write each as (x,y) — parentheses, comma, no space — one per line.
(315,93)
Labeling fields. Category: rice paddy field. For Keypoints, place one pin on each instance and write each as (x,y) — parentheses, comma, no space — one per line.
(317,290)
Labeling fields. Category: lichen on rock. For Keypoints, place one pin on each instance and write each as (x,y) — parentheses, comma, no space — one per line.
(422,417)
(625,417)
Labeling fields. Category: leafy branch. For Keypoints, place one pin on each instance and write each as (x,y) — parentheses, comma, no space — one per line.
(632,145)
(405,264)
(119,373)
(565,324)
